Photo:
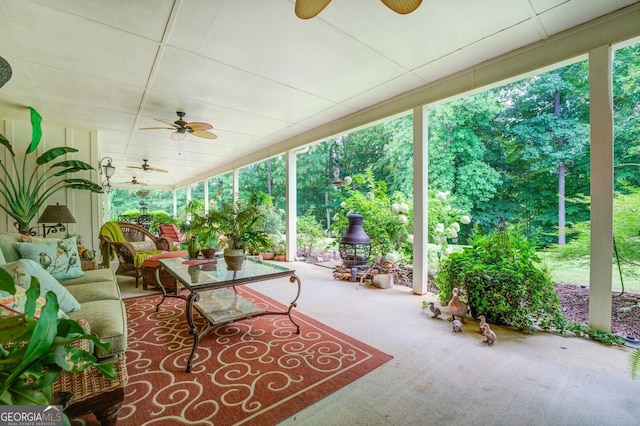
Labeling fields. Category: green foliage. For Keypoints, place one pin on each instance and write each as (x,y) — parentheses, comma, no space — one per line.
(626,231)
(634,363)
(26,194)
(160,217)
(238,224)
(387,221)
(501,278)
(33,351)
(310,233)
(271,219)
(584,330)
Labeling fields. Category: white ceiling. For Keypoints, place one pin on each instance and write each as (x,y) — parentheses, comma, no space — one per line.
(251,68)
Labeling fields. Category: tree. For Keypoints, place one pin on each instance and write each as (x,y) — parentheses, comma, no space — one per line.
(460,161)
(546,121)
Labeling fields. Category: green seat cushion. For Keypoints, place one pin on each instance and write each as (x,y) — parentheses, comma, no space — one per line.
(22,271)
(93,276)
(58,257)
(108,320)
(95,291)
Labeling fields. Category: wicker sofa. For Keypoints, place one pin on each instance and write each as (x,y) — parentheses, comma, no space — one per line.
(101,307)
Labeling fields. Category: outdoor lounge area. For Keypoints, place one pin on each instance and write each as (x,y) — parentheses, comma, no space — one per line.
(181,98)
(437,376)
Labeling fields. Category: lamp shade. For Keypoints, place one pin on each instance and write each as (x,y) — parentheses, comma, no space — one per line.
(109,170)
(56,214)
(5,71)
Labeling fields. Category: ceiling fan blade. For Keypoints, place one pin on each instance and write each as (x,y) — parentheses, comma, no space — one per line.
(170,123)
(402,6)
(135,167)
(196,125)
(153,169)
(306,9)
(157,128)
(204,134)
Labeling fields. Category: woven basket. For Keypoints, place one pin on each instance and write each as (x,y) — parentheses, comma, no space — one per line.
(90,382)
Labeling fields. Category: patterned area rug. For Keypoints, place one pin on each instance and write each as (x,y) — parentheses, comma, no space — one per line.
(255,371)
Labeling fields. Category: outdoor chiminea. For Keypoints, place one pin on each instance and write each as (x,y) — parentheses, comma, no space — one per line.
(355,245)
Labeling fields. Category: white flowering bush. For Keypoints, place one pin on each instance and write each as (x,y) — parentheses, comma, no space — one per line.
(444,221)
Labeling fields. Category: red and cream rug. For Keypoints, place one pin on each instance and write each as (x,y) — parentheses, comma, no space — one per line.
(255,371)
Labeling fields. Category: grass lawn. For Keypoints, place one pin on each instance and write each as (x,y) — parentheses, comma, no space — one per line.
(576,271)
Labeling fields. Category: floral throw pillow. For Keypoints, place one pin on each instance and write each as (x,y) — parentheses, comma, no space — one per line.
(58,257)
(14,304)
(24,269)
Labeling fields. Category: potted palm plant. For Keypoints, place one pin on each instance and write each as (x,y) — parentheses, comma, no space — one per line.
(238,226)
(25,194)
(207,235)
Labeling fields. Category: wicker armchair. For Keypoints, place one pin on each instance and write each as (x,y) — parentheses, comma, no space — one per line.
(138,245)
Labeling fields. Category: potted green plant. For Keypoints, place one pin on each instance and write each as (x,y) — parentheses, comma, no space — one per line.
(24,193)
(238,226)
(34,351)
(204,231)
(280,249)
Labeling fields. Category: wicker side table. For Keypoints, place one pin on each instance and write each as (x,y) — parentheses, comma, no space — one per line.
(88,265)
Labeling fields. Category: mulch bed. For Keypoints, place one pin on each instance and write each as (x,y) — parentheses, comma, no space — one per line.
(625,308)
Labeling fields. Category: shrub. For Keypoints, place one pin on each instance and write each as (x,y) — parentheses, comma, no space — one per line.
(500,277)
(310,233)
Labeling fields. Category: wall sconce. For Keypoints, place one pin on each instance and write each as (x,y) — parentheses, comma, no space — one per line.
(55,214)
(109,170)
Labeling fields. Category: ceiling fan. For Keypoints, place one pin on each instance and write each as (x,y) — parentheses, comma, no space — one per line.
(306,9)
(145,167)
(134,181)
(182,128)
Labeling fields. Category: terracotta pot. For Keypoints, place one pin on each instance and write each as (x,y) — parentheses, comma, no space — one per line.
(208,253)
(281,257)
(267,256)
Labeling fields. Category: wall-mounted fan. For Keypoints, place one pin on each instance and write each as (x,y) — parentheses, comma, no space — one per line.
(145,167)
(306,9)
(181,128)
(134,181)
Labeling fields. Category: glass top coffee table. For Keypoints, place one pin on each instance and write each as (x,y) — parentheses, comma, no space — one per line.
(212,291)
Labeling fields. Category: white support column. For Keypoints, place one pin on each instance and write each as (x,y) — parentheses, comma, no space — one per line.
(206,196)
(292,205)
(601,117)
(420,200)
(236,184)
(188,192)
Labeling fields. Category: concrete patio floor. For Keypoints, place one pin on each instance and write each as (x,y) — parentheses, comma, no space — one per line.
(441,377)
